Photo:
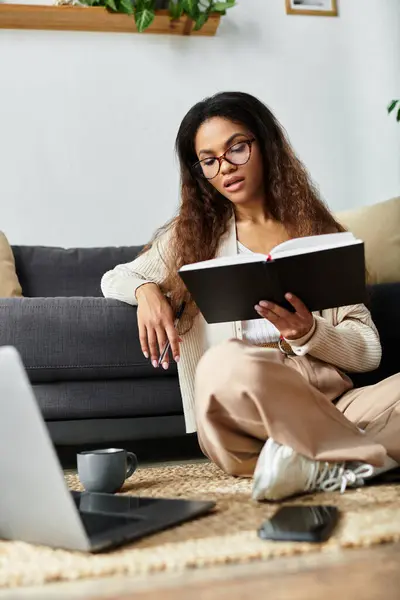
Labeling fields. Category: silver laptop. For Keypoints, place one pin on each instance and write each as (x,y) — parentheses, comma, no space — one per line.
(35,503)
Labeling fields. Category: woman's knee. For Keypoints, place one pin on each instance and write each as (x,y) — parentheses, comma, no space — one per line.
(215,360)
(221,365)
(214,374)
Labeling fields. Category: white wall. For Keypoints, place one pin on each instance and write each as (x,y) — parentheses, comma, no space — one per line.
(88,121)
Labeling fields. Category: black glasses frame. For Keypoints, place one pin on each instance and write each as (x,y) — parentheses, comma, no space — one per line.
(199,170)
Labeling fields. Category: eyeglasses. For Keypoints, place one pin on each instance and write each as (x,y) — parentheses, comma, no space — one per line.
(238,154)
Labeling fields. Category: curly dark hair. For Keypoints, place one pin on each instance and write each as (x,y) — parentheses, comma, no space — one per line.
(291,198)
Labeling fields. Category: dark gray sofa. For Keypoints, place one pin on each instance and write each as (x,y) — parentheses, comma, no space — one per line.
(82,353)
(83,357)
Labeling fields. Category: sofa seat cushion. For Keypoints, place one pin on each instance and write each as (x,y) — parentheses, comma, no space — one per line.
(122,398)
(76,339)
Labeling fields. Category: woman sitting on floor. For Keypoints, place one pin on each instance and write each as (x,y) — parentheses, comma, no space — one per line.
(283,412)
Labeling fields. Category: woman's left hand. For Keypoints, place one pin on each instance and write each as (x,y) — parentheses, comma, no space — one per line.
(290,325)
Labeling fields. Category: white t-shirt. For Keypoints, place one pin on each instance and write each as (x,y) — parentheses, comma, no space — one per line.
(257,331)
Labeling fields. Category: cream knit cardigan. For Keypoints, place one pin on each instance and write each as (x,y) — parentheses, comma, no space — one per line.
(345,337)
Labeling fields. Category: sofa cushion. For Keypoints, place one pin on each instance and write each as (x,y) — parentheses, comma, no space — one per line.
(9,284)
(75,339)
(50,272)
(84,339)
(379,227)
(122,398)
(384,306)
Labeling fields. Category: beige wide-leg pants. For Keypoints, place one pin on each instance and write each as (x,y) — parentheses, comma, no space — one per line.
(245,394)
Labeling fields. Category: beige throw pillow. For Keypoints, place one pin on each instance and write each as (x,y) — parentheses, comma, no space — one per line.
(379,227)
(9,284)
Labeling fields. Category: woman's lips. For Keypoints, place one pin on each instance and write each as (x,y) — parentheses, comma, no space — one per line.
(236,186)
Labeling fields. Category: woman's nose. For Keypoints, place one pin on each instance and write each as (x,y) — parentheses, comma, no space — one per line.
(227,167)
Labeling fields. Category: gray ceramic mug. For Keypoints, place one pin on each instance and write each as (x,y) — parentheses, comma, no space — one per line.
(105,470)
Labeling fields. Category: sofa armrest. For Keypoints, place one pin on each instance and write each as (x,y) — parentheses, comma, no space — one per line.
(63,339)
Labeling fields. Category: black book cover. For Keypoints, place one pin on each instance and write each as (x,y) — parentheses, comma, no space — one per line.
(322,279)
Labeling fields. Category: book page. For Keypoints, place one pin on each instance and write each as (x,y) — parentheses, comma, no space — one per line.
(313,244)
(292,247)
(224,261)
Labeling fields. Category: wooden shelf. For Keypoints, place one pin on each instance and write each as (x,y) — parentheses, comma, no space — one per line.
(78,18)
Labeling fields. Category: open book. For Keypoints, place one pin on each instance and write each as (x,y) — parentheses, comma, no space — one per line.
(324,271)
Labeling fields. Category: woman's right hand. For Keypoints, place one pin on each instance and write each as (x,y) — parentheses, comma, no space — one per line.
(156,324)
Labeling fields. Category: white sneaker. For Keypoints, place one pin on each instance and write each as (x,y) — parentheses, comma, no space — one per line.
(281,472)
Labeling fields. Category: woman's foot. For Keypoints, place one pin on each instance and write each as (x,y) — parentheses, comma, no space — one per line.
(281,472)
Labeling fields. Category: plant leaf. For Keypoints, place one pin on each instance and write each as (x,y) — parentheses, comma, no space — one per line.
(143,4)
(398,115)
(110,4)
(191,8)
(392,106)
(126,6)
(203,18)
(175,9)
(140,5)
(223,6)
(144,18)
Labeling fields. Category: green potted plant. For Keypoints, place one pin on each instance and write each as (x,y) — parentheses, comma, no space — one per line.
(392,106)
(144,11)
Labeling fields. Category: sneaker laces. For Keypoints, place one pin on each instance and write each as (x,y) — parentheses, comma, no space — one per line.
(337,476)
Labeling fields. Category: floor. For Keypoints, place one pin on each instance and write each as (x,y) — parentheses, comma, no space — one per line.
(362,574)
(368,574)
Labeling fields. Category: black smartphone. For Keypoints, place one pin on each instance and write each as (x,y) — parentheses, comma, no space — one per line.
(300,524)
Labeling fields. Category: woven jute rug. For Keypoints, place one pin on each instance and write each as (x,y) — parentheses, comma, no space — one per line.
(370,515)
